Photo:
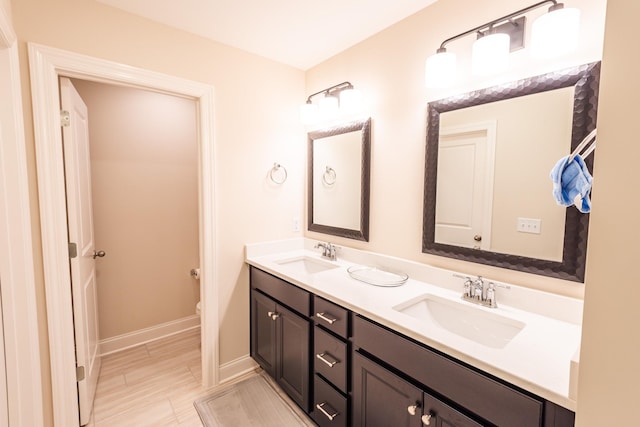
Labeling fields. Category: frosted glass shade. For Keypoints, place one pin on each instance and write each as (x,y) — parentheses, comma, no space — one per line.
(440,70)
(308,113)
(328,107)
(490,54)
(555,33)
(350,101)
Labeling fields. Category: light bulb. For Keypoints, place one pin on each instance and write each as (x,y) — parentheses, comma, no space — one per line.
(555,33)
(440,69)
(328,107)
(350,101)
(308,113)
(490,54)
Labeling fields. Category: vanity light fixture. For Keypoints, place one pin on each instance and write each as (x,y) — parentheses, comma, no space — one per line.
(554,33)
(339,99)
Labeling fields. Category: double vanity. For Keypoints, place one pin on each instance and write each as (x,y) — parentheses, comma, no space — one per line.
(366,339)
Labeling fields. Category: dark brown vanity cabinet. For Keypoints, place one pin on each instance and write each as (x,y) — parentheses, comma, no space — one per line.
(412,378)
(280,333)
(381,399)
(331,355)
(346,370)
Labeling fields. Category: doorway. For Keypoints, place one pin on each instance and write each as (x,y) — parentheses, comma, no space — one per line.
(144,175)
(47,65)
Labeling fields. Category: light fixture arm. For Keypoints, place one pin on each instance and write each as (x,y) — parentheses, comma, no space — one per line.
(490,24)
(331,90)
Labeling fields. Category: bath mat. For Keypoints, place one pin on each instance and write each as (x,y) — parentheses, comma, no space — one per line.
(255,401)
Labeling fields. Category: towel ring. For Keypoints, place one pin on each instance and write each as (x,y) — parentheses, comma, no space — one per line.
(587,139)
(278,170)
(329,176)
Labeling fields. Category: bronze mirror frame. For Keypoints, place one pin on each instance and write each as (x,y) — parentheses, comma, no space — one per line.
(363,126)
(585,79)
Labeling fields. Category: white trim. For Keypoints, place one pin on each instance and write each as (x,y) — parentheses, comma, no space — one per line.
(236,368)
(46,65)
(152,333)
(7,34)
(19,309)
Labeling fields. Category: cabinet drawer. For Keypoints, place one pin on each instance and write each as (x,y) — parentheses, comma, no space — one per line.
(331,316)
(286,293)
(480,394)
(330,358)
(329,406)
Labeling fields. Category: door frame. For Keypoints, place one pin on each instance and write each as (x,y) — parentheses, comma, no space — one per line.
(46,65)
(18,290)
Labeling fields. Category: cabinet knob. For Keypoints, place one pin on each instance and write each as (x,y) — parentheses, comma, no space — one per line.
(273,315)
(426,419)
(413,408)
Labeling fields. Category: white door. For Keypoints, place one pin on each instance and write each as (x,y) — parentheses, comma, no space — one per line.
(80,222)
(464,186)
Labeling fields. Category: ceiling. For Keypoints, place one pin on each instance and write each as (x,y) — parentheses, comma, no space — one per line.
(300,33)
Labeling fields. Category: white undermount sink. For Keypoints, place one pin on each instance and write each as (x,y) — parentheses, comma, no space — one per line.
(462,318)
(305,264)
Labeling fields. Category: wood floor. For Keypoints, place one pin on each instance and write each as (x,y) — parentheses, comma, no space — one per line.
(152,385)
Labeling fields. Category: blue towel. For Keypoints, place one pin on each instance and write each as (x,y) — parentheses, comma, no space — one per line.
(572,183)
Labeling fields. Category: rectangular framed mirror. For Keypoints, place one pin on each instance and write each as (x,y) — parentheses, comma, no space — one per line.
(339,171)
(487,188)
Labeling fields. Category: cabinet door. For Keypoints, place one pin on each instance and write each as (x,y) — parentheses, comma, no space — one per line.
(263,332)
(293,368)
(439,414)
(382,399)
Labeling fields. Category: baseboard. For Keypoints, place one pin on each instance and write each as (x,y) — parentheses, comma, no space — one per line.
(238,367)
(142,336)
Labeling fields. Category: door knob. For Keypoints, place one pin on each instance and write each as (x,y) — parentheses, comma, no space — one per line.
(97,254)
(426,419)
(477,238)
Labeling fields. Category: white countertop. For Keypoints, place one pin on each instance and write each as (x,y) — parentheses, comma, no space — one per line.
(538,359)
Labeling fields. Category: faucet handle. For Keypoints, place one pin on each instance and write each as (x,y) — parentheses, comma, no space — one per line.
(491,295)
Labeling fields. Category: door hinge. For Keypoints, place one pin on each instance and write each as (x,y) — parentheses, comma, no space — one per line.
(65,119)
(79,373)
(73,250)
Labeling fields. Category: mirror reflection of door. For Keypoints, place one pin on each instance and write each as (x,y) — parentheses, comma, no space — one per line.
(464,193)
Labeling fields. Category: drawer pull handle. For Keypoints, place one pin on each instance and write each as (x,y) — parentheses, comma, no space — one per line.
(273,315)
(321,407)
(329,363)
(324,317)
(426,419)
(412,409)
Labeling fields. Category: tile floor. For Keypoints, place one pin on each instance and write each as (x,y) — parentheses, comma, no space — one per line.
(151,385)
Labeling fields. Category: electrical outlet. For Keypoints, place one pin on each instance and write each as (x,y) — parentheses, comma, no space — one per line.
(295,224)
(529,225)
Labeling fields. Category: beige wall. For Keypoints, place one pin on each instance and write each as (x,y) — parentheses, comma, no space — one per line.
(144,172)
(389,69)
(609,372)
(256,123)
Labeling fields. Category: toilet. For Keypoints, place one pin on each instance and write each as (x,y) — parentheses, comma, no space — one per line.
(198,308)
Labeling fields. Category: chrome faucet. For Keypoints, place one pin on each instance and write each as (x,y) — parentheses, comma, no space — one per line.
(328,250)
(477,292)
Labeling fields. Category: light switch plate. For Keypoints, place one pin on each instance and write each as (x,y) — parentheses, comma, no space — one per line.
(529,225)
